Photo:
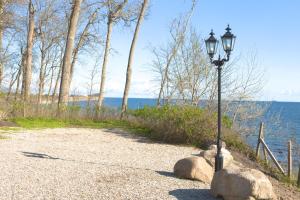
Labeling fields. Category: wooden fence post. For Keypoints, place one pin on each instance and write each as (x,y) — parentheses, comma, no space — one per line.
(259,137)
(263,147)
(266,149)
(290,161)
(272,156)
(265,155)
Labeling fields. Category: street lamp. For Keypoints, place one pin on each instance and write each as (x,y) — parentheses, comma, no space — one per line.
(228,41)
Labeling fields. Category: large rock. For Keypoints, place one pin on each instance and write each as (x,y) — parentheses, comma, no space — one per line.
(242,183)
(195,168)
(210,154)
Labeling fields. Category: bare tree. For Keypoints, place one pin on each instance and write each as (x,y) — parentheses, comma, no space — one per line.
(49,37)
(190,74)
(13,79)
(130,59)
(56,85)
(21,66)
(177,31)
(66,67)
(27,76)
(91,84)
(248,82)
(82,39)
(57,70)
(18,83)
(114,13)
(192,78)
(5,22)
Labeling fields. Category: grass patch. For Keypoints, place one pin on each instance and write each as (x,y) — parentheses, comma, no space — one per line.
(32,123)
(7,129)
(187,125)
(40,123)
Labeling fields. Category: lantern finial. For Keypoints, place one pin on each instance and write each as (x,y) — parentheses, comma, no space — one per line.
(228,29)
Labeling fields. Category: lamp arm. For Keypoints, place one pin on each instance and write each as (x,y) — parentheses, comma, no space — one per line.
(227,57)
(220,62)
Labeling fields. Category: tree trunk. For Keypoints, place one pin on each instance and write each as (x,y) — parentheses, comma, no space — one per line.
(50,85)
(28,69)
(23,68)
(81,41)
(104,64)
(56,84)
(130,59)
(112,16)
(66,67)
(164,78)
(41,77)
(18,82)
(58,77)
(13,80)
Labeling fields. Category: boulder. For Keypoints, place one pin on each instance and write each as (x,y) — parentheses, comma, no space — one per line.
(213,146)
(195,168)
(210,154)
(242,183)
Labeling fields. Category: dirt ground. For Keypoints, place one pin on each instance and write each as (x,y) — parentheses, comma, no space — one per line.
(77,163)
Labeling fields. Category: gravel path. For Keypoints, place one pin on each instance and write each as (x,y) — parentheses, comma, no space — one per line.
(92,164)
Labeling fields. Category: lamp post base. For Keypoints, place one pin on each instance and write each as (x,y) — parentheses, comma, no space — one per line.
(218,162)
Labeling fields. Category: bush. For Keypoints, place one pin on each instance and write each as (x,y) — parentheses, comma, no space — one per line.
(187,125)
(179,124)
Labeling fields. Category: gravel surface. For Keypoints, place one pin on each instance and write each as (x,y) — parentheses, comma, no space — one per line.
(75,163)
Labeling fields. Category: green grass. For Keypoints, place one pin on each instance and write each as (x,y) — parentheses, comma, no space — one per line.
(7,129)
(171,124)
(31,123)
(40,123)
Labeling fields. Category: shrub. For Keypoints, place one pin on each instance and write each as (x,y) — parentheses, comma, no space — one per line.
(179,124)
(187,125)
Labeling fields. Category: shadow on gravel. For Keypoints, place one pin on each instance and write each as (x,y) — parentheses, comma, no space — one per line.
(167,174)
(45,156)
(38,155)
(8,124)
(192,194)
(125,134)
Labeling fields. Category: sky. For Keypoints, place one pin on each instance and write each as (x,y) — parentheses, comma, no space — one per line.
(270,27)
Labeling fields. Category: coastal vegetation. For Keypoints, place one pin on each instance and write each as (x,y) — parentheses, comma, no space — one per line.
(184,125)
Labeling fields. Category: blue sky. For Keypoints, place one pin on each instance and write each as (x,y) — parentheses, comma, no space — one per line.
(270,27)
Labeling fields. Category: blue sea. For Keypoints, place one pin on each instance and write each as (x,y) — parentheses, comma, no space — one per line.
(281,119)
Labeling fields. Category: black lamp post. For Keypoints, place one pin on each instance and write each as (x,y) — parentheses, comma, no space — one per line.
(228,40)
